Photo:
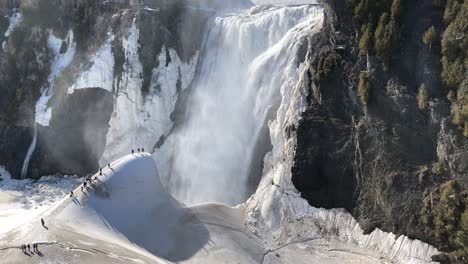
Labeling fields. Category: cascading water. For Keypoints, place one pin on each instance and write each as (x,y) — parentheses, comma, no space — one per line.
(24,170)
(246,58)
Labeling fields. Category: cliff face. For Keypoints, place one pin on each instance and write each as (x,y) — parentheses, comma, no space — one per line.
(66,72)
(384,159)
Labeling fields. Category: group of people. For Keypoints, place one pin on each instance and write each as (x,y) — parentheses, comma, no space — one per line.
(142,150)
(89,180)
(26,248)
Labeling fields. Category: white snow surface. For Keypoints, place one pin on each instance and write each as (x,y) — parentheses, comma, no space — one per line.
(139,121)
(59,63)
(253,76)
(125,215)
(14,20)
(101,73)
(23,200)
(284,2)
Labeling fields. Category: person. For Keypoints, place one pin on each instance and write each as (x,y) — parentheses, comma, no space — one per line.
(71,194)
(138,149)
(29,247)
(100,171)
(42,222)
(84,184)
(143,150)
(108,165)
(133,151)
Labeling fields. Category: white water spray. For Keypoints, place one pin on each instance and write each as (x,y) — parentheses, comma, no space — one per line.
(24,170)
(236,89)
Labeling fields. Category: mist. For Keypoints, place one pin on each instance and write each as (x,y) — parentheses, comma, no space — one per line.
(209,156)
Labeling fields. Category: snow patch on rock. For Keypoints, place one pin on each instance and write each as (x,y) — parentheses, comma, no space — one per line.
(23,200)
(14,20)
(101,73)
(59,63)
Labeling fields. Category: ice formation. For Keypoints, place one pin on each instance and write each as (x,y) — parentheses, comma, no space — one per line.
(59,63)
(101,73)
(236,89)
(139,121)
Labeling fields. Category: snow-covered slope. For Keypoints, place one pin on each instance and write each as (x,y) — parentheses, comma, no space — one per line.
(125,215)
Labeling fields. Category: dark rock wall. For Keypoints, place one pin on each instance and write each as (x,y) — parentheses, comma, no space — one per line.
(380,161)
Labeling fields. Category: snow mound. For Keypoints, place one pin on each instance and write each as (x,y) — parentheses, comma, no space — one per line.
(131,201)
(128,206)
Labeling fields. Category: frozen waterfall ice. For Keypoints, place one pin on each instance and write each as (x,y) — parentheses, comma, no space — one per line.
(235,92)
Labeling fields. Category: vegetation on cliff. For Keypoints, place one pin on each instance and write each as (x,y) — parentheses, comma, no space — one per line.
(445,210)
(385,14)
(455,61)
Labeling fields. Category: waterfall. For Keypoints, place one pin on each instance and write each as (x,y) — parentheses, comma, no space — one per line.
(24,170)
(235,92)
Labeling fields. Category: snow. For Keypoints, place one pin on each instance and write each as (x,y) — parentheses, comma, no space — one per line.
(251,74)
(101,73)
(23,200)
(59,63)
(14,20)
(139,121)
(127,214)
(284,2)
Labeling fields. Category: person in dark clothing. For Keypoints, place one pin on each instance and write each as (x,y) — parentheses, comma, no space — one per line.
(71,194)
(29,247)
(142,150)
(42,222)
(138,149)
(108,165)
(100,174)
(100,170)
(133,151)
(84,184)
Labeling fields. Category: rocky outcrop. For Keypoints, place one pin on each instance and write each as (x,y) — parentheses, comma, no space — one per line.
(32,66)
(378,160)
